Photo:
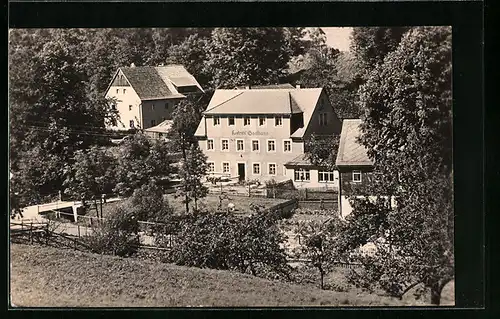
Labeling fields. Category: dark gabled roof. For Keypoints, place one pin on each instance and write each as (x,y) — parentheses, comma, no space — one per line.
(264,101)
(153,83)
(146,82)
(351,152)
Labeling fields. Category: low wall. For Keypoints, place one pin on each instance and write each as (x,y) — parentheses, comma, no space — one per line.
(318,205)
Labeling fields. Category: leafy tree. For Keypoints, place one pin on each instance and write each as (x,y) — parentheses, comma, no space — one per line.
(407,131)
(322,150)
(51,109)
(247,56)
(91,175)
(149,204)
(192,54)
(142,161)
(324,66)
(185,118)
(371,44)
(316,248)
(193,170)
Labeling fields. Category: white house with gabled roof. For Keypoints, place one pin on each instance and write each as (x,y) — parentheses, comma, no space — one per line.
(145,96)
(251,133)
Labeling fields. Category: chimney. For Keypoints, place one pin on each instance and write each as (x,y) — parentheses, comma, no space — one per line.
(132,65)
(297,86)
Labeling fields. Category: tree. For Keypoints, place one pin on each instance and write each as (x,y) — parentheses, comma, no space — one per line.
(322,150)
(91,175)
(324,66)
(371,44)
(193,170)
(142,161)
(52,113)
(192,54)
(185,118)
(247,56)
(407,131)
(149,204)
(317,248)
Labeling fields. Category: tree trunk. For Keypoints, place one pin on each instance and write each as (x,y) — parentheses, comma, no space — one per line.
(436,294)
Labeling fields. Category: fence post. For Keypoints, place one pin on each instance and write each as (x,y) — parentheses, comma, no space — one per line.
(47,234)
(31,233)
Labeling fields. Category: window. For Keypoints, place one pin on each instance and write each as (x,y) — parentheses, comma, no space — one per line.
(230,121)
(255,145)
(225,167)
(323,119)
(287,146)
(216,120)
(246,121)
(124,90)
(113,106)
(262,121)
(131,123)
(152,107)
(302,175)
(271,146)
(166,106)
(324,176)
(278,121)
(130,107)
(225,145)
(211,167)
(356,176)
(210,145)
(272,169)
(153,122)
(117,91)
(256,168)
(239,145)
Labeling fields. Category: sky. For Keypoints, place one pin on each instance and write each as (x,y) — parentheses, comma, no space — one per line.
(338,37)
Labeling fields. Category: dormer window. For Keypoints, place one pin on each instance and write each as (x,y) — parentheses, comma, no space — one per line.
(246,121)
(262,120)
(278,121)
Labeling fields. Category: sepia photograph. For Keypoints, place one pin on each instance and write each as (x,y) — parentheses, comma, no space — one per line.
(231,167)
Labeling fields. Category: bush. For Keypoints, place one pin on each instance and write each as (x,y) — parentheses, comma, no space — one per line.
(117,235)
(222,241)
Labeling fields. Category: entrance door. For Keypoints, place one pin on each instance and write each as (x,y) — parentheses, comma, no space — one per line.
(241,171)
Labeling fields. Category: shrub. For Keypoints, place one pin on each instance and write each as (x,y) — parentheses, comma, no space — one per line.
(117,235)
(223,241)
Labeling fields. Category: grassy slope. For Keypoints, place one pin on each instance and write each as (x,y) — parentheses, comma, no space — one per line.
(49,277)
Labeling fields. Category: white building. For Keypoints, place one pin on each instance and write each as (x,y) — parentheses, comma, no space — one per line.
(252,133)
(146,96)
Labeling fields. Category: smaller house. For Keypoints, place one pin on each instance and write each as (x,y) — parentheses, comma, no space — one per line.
(159,131)
(146,95)
(354,166)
